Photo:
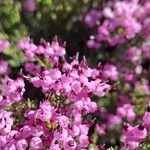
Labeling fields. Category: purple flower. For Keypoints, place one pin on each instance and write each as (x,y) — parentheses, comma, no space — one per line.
(29,5)
(91,18)
(3,44)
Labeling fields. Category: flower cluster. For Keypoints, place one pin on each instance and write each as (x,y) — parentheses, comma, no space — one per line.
(132,136)
(54,102)
(122,35)
(57,120)
(121,21)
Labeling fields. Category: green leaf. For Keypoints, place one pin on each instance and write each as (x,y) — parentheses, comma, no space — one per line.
(48,3)
(144,146)
(112,148)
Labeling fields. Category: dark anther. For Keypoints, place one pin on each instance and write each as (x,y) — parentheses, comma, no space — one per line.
(141,127)
(71,143)
(148,108)
(125,127)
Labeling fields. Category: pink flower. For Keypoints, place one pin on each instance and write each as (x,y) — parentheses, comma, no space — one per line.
(93,44)
(146,51)
(5,101)
(3,44)
(54,146)
(29,5)
(6,122)
(48,51)
(110,72)
(101,129)
(92,18)
(63,121)
(40,50)
(36,143)
(73,130)
(146,27)
(126,111)
(114,120)
(3,141)
(132,136)
(132,142)
(25,131)
(146,118)
(107,12)
(139,132)
(32,69)
(76,87)
(37,82)
(77,117)
(134,55)
(37,131)
(84,129)
(70,144)
(14,89)
(22,144)
(4,67)
(130,77)
(45,111)
(61,134)
(84,141)
(55,74)
(28,47)
(102,89)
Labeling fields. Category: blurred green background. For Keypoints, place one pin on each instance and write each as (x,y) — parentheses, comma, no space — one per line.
(45,19)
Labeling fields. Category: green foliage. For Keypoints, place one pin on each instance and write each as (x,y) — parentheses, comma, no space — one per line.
(31,104)
(139,96)
(10,20)
(44,63)
(61,17)
(113,148)
(13,29)
(144,146)
(15,57)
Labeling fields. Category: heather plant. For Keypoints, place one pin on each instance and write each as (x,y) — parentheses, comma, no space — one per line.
(57,103)
(121,39)
(51,100)
(62,117)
